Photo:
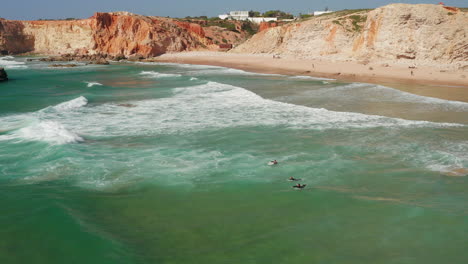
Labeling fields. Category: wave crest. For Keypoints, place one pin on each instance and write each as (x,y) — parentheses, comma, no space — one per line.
(91,84)
(153,74)
(49,131)
(72,104)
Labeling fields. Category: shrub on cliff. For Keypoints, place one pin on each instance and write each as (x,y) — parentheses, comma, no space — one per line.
(278,13)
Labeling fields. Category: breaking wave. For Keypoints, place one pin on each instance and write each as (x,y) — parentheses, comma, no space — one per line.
(153,74)
(9,63)
(49,131)
(91,84)
(312,78)
(72,104)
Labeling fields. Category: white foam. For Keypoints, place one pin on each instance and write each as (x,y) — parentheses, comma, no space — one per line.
(9,63)
(91,84)
(311,78)
(153,74)
(48,131)
(72,104)
(379,93)
(199,108)
(213,106)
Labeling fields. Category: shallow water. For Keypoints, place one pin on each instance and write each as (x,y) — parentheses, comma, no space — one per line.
(167,163)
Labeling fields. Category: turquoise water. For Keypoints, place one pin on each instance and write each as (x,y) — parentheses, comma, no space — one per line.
(167,163)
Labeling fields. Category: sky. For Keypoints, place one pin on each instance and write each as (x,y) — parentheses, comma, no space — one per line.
(58,9)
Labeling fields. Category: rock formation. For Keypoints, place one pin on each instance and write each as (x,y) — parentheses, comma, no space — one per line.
(411,34)
(3,75)
(115,34)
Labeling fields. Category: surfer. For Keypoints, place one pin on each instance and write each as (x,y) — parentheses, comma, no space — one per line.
(292,178)
(273,162)
(299,186)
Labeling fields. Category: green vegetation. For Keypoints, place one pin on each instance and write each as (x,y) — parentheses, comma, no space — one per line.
(222,23)
(450,14)
(337,22)
(345,12)
(278,13)
(249,27)
(356,19)
(305,16)
(254,13)
(356,22)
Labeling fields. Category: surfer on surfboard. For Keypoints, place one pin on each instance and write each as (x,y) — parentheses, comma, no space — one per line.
(299,186)
(273,162)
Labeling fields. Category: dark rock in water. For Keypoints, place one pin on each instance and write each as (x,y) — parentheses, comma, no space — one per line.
(101,61)
(93,59)
(63,65)
(3,75)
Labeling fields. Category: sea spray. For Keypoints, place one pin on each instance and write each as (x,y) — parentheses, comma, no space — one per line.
(49,131)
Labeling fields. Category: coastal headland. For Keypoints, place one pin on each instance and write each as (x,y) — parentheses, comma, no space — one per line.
(397,43)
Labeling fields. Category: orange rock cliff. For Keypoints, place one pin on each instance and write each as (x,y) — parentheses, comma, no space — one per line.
(119,33)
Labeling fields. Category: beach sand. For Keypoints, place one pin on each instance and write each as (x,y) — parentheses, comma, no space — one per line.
(422,80)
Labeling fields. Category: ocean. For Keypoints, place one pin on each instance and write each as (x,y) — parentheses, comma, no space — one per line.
(167,163)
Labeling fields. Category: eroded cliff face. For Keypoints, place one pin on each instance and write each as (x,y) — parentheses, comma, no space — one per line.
(59,37)
(13,38)
(119,33)
(412,34)
(127,34)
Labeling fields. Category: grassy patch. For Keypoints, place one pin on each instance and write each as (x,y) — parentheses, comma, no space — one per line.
(344,12)
(337,22)
(356,20)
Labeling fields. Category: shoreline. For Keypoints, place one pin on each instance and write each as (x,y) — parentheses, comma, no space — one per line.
(396,76)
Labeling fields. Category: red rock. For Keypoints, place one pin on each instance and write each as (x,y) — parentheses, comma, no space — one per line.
(266,25)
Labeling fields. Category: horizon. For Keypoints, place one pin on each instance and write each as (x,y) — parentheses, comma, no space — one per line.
(56,9)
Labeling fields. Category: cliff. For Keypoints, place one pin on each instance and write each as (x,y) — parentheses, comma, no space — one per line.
(119,33)
(403,33)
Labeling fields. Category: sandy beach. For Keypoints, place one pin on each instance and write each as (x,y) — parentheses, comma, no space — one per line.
(399,76)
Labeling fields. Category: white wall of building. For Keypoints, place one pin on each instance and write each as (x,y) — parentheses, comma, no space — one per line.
(258,20)
(318,13)
(223,16)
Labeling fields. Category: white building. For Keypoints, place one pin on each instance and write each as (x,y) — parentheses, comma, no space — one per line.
(223,16)
(244,15)
(318,13)
(258,20)
(239,15)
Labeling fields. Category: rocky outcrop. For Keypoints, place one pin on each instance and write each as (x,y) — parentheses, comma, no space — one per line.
(116,34)
(3,75)
(412,34)
(127,34)
(13,39)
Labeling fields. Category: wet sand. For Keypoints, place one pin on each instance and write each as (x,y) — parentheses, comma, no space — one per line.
(423,80)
